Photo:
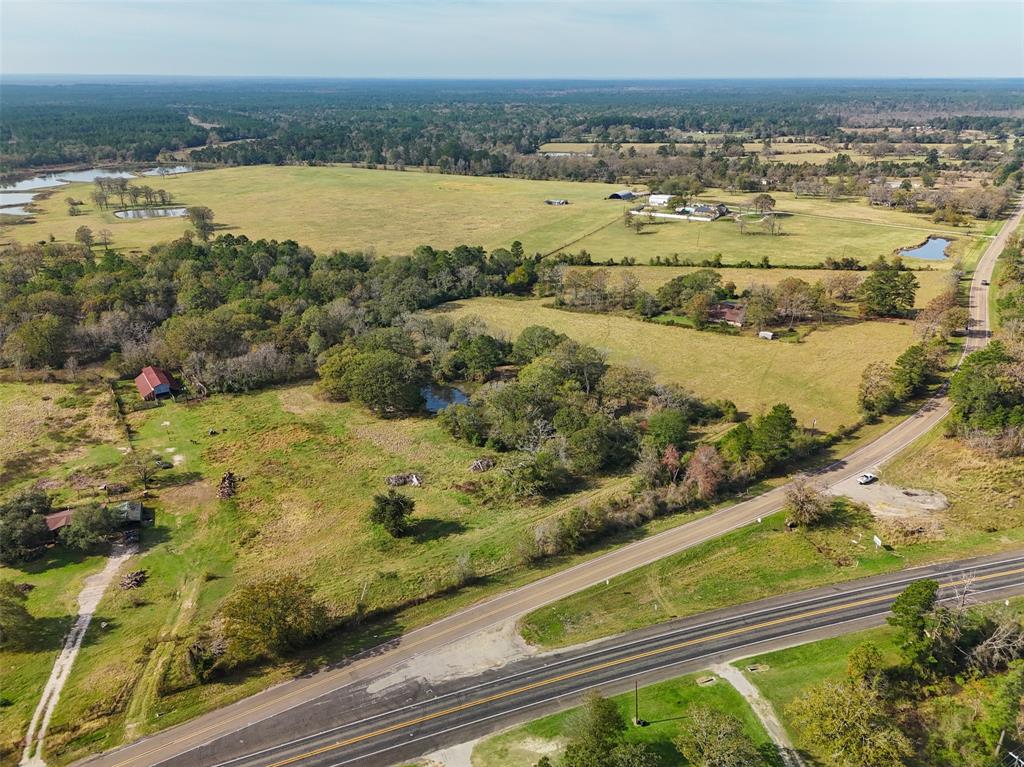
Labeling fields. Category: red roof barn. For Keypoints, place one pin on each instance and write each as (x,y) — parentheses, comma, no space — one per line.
(153,382)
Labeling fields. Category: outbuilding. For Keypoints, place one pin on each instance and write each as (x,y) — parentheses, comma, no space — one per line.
(659,200)
(625,194)
(728,312)
(154,382)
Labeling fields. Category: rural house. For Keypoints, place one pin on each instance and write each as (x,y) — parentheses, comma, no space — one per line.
(728,312)
(704,211)
(153,382)
(58,520)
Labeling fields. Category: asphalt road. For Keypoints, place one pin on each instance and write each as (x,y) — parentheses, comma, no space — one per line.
(264,706)
(350,727)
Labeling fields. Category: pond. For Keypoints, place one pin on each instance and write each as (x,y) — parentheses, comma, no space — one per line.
(439,397)
(932,249)
(15,198)
(48,180)
(136,213)
(14,210)
(165,171)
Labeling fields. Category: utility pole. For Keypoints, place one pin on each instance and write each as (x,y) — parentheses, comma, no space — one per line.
(637,721)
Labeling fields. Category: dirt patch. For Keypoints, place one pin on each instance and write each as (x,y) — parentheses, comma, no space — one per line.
(485,651)
(390,437)
(891,502)
(764,711)
(300,400)
(189,496)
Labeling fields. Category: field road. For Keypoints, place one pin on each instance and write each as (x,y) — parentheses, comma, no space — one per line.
(267,706)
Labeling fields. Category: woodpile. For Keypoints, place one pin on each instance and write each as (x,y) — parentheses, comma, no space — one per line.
(133,579)
(228,486)
(409,478)
(481,465)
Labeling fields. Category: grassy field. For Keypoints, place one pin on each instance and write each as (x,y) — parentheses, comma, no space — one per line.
(653,277)
(817,377)
(310,471)
(349,208)
(661,704)
(818,229)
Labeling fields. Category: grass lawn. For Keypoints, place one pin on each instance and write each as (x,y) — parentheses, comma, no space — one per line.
(817,229)
(349,208)
(818,377)
(662,704)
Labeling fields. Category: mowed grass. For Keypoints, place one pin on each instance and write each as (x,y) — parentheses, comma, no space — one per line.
(309,469)
(816,230)
(325,208)
(664,705)
(651,278)
(817,377)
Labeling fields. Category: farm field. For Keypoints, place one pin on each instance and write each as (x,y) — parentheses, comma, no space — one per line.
(662,704)
(818,230)
(310,469)
(818,377)
(348,208)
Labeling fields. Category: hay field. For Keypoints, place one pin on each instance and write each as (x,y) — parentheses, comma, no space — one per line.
(818,377)
(348,208)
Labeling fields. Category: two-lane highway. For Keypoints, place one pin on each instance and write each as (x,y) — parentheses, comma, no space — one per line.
(265,707)
(410,721)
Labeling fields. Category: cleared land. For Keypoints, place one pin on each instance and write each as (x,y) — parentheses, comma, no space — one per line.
(662,704)
(817,377)
(348,208)
(310,469)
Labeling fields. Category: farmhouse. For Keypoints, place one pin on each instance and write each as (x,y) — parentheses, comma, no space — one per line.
(154,382)
(728,312)
(704,211)
(625,194)
(659,200)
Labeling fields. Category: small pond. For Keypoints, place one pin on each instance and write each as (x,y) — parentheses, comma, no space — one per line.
(136,213)
(933,249)
(49,180)
(14,210)
(439,397)
(165,171)
(15,198)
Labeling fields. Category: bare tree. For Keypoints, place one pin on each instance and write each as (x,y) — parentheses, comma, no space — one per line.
(806,501)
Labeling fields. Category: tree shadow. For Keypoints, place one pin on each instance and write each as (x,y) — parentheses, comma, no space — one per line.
(424,530)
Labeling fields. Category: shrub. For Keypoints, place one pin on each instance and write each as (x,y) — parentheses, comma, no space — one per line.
(392,512)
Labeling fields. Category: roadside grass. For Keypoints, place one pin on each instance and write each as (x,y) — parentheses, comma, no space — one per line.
(664,705)
(788,673)
(817,377)
(388,212)
(817,229)
(748,564)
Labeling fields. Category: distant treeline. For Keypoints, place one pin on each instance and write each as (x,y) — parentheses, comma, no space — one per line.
(467,127)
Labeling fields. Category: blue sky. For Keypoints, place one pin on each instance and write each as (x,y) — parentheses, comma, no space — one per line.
(516,38)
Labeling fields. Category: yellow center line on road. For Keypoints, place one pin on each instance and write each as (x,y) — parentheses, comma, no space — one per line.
(618,662)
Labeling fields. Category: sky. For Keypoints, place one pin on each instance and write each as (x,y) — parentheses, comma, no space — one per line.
(624,39)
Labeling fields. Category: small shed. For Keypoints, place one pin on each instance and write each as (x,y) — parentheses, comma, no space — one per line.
(767,335)
(625,194)
(154,382)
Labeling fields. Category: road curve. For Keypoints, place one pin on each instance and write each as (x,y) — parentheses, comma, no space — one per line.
(350,727)
(511,605)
